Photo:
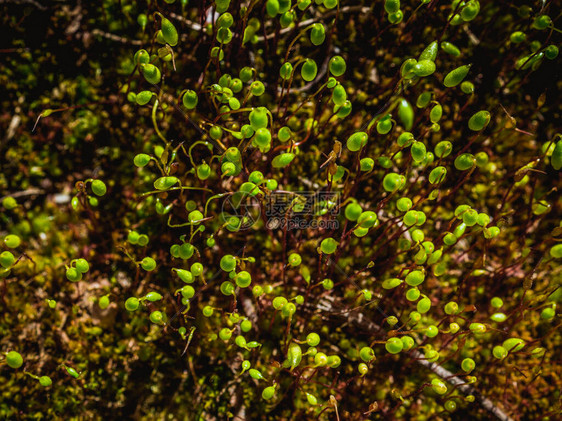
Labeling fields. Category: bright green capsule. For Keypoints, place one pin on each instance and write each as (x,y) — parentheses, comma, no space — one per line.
(9,202)
(257,88)
(344,110)
(309,70)
(424,68)
(477,327)
(407,342)
(222,5)
(405,139)
(431,331)
(246,74)
(470,217)
(72,372)
(450,49)
(153,296)
(82,265)
(356,141)
(391,283)
(164,183)
(443,149)
(287,18)
(169,32)
(548,313)
(156,317)
(391,182)
(396,18)
(143,97)
(268,393)
(418,151)
(148,264)
(141,160)
(513,344)
(258,118)
(142,20)
(438,386)
(99,188)
(282,160)
(337,66)
(429,53)
(391,6)
(467,87)
(404,204)
(407,68)
(437,175)
(479,120)
(468,365)
(394,345)
(14,359)
(406,113)
(286,70)
(339,96)
(190,99)
(272,7)
(556,157)
(367,354)
(151,73)
(470,10)
(459,231)
(366,164)
(415,278)
(141,57)
(456,76)
(498,317)
(12,241)
(353,211)
(423,99)
(45,381)
(384,126)
(436,113)
(423,305)
(464,161)
(132,304)
(328,245)
(317,34)
(294,355)
(255,374)
(556,251)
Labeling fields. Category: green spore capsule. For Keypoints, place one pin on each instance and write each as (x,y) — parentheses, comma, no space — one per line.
(14,359)
(190,99)
(317,34)
(456,76)
(99,188)
(337,66)
(391,6)
(169,32)
(424,68)
(356,141)
(309,70)
(406,114)
(151,73)
(430,52)
(479,121)
(450,49)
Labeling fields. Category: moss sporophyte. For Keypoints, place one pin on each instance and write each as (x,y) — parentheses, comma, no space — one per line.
(297,209)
